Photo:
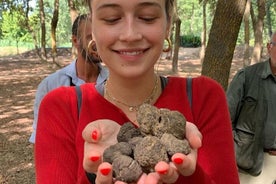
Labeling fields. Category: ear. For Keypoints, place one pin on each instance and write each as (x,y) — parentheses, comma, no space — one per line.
(75,41)
(268,47)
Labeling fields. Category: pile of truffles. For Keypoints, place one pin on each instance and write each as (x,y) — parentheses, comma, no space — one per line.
(160,135)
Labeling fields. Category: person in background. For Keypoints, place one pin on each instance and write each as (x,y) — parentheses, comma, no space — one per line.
(252,104)
(85,68)
(129,37)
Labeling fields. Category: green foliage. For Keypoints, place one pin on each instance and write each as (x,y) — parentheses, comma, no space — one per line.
(190,41)
(12,28)
(12,24)
(190,13)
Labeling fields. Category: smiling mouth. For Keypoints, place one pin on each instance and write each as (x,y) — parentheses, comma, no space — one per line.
(131,53)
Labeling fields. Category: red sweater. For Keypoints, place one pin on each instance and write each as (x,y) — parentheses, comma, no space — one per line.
(59,144)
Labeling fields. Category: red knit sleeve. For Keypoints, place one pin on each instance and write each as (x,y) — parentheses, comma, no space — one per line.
(216,157)
(55,154)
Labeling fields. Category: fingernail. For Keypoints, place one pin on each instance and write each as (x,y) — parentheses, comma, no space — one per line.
(94,158)
(94,135)
(178,160)
(165,171)
(105,171)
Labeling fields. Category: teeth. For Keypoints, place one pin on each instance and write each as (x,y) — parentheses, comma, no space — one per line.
(131,53)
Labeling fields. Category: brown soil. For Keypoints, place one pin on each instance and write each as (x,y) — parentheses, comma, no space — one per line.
(19,78)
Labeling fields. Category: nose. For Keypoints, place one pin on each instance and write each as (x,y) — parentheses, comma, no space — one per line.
(130,31)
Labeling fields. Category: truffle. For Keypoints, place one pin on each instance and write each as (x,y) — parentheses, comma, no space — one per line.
(160,135)
(174,145)
(149,152)
(126,169)
(127,132)
(116,150)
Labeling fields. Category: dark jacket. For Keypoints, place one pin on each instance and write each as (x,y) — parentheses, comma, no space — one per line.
(247,106)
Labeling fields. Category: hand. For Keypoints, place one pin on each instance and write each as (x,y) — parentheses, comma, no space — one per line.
(107,131)
(98,135)
(181,164)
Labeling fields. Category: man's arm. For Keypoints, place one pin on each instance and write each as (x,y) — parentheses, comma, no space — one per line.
(235,94)
(42,90)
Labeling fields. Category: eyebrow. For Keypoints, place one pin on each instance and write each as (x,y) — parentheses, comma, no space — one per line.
(143,4)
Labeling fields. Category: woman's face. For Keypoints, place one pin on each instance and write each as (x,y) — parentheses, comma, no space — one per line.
(129,34)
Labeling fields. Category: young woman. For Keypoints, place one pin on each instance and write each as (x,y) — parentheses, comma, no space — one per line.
(129,37)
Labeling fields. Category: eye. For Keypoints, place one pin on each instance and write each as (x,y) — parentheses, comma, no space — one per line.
(148,19)
(111,20)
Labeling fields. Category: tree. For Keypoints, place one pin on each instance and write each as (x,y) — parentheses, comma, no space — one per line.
(53,29)
(258,27)
(204,30)
(246,54)
(43,29)
(28,24)
(177,23)
(222,40)
(12,29)
(73,10)
(268,15)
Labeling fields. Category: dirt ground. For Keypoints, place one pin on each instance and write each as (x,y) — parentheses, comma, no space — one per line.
(19,78)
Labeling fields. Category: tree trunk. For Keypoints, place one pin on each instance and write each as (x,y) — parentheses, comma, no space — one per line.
(73,11)
(73,14)
(203,35)
(176,45)
(43,30)
(53,29)
(31,30)
(268,17)
(192,18)
(222,40)
(17,47)
(258,33)
(246,54)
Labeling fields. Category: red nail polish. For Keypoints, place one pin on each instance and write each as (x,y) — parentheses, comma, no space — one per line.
(163,171)
(94,158)
(94,135)
(105,171)
(178,160)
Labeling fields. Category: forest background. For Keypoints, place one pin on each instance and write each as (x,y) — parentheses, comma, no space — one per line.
(35,40)
(215,25)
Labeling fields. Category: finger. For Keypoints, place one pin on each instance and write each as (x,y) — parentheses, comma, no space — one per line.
(151,178)
(185,164)
(104,174)
(119,182)
(167,172)
(92,158)
(142,179)
(101,130)
(193,135)
(92,133)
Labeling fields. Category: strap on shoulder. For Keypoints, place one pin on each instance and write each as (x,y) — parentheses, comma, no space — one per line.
(90,176)
(79,98)
(189,90)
